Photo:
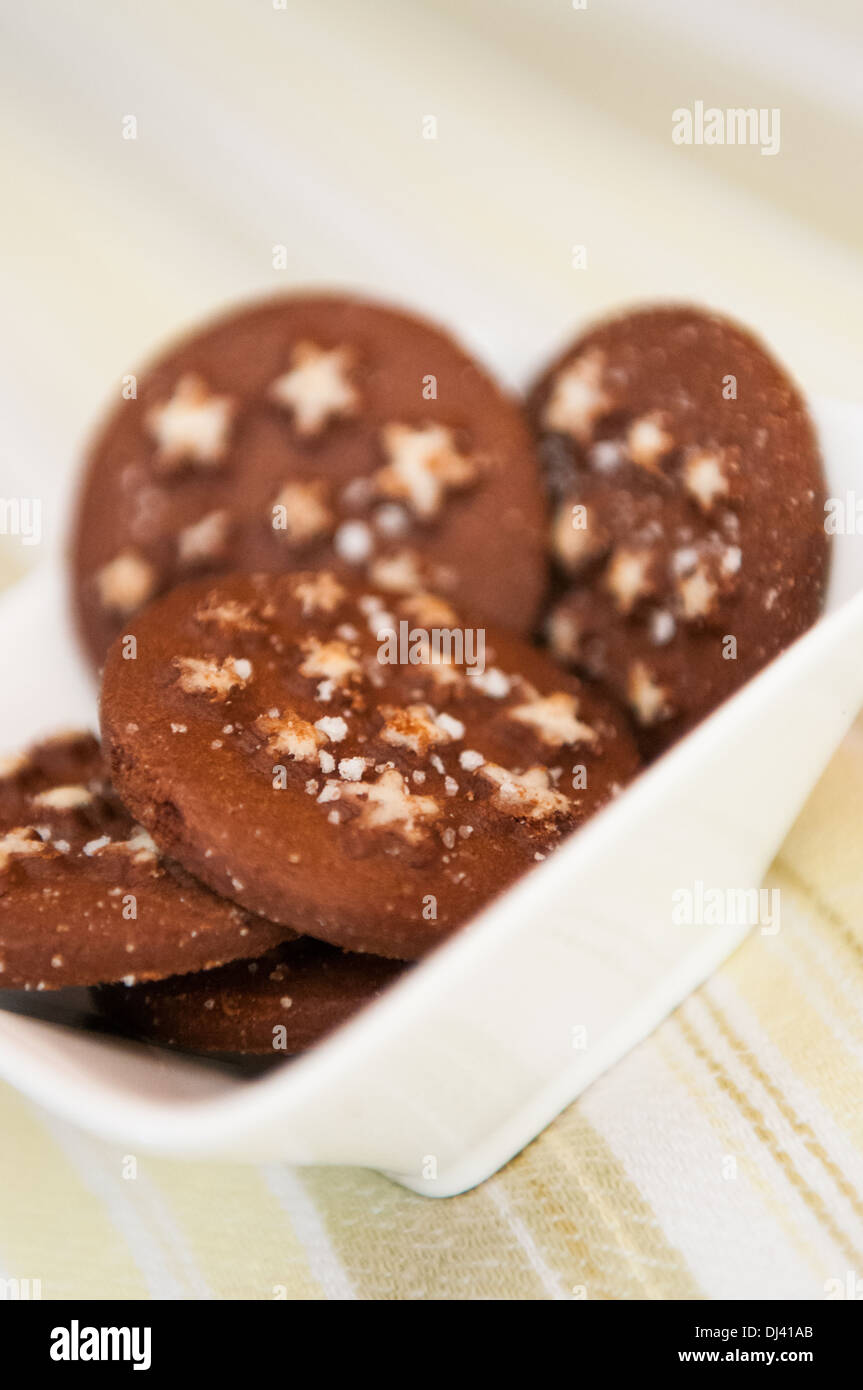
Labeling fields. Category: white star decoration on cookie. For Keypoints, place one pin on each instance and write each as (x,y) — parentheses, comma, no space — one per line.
(316,387)
(697,593)
(418,727)
(331,660)
(628,577)
(22,840)
(290,733)
(320,592)
(555,719)
(125,582)
(301,512)
(647,697)
(192,426)
(648,441)
(210,676)
(577,397)
(527,795)
(387,803)
(704,477)
(204,539)
(423,465)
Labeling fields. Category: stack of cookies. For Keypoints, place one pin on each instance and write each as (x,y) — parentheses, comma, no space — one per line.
(373,639)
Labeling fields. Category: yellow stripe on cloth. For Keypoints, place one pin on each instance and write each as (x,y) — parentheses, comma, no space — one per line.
(805,1139)
(217,1206)
(590,1220)
(786,1159)
(53,1227)
(395,1245)
(823,848)
(744,1149)
(805,994)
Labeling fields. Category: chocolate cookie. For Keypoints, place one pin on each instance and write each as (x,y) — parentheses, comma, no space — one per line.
(280,1004)
(688,531)
(371,772)
(307,431)
(85,895)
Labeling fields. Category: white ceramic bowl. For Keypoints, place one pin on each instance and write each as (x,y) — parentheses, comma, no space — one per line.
(464,1062)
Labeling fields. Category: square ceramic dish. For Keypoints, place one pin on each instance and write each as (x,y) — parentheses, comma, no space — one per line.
(463,1063)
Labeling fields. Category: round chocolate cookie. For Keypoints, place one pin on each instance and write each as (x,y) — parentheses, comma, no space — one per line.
(372,772)
(688,530)
(85,895)
(307,431)
(281,1004)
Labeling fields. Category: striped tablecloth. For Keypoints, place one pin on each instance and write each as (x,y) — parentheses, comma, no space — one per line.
(723,1158)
